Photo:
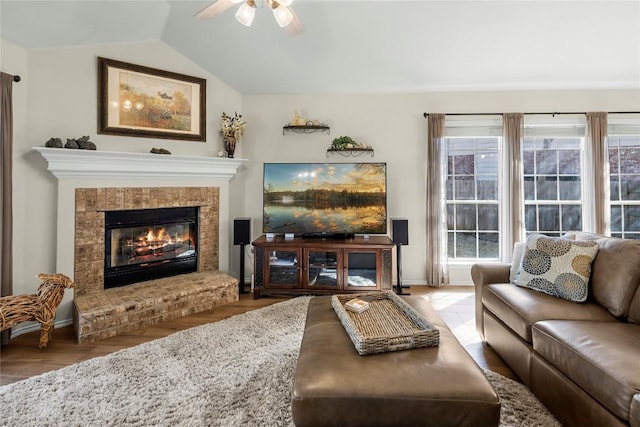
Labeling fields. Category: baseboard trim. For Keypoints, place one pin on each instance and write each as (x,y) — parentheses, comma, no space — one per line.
(423,283)
(27,327)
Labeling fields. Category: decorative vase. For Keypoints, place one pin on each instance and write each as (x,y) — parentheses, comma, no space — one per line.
(230,145)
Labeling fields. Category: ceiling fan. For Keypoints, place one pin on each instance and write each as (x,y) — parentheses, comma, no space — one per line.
(282,12)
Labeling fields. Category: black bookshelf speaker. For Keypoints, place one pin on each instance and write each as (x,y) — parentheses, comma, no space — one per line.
(400,231)
(242,231)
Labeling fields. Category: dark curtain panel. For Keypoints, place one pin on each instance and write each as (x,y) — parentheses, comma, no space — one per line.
(6,230)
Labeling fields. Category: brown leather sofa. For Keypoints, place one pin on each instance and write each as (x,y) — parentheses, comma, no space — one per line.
(582,360)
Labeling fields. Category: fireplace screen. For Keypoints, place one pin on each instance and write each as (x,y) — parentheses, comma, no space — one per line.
(137,245)
(148,244)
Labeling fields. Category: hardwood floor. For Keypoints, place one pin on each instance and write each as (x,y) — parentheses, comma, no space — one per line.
(22,359)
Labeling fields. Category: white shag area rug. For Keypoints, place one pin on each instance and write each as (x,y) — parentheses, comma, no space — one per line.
(236,372)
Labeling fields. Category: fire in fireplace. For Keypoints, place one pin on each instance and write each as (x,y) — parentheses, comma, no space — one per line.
(148,244)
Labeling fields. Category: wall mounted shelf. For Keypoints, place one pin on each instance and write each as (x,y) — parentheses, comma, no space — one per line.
(350,152)
(306,129)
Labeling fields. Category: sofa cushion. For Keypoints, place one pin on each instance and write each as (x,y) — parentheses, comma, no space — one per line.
(634,416)
(582,235)
(557,266)
(600,357)
(615,274)
(519,308)
(634,308)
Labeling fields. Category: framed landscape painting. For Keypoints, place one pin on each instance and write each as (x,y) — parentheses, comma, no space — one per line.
(134,100)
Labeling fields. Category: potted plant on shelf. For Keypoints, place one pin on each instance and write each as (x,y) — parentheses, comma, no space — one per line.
(232,129)
(347,143)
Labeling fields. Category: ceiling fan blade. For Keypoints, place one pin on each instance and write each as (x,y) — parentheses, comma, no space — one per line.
(295,27)
(214,9)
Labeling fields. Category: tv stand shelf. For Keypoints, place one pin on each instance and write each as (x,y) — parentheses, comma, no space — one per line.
(321,265)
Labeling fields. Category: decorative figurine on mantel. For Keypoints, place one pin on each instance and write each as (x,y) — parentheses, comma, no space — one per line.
(81,143)
(53,143)
(84,143)
(155,150)
(232,129)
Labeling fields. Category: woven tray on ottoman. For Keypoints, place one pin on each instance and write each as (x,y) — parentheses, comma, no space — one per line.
(390,324)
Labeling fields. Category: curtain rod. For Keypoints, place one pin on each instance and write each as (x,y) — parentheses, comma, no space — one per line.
(552,113)
(17,79)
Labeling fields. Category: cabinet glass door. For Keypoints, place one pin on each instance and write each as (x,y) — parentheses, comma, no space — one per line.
(361,270)
(283,268)
(322,269)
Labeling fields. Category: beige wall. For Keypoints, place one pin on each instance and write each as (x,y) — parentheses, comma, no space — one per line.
(57,97)
(394,125)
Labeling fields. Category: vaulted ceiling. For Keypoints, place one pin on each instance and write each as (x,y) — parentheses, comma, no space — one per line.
(365,46)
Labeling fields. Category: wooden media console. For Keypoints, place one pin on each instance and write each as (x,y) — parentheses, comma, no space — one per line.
(317,266)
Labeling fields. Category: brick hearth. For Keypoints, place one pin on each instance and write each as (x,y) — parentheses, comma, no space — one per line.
(115,311)
(100,313)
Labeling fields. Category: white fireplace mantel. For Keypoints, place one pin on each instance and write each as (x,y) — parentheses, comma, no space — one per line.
(75,169)
(70,163)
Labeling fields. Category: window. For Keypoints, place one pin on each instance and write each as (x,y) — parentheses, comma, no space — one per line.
(552,185)
(624,179)
(472,197)
(553,174)
(557,184)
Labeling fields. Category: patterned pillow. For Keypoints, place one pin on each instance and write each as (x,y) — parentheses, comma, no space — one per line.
(557,266)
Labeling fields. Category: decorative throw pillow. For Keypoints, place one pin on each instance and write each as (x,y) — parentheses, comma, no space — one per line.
(557,266)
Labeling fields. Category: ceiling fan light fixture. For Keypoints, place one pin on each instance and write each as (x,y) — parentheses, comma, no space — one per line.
(282,14)
(246,13)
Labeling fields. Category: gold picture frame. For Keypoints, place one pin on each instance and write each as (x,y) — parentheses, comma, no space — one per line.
(139,101)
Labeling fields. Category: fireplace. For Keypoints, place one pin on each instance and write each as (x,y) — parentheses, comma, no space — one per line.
(148,181)
(156,235)
(148,244)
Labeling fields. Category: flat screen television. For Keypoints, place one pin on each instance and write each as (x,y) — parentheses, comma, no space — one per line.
(325,199)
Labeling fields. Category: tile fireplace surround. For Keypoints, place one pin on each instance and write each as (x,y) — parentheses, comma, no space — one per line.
(99,313)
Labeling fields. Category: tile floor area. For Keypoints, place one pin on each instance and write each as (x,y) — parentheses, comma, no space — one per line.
(456,306)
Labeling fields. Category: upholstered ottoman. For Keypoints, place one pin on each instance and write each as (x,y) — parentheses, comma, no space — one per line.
(437,386)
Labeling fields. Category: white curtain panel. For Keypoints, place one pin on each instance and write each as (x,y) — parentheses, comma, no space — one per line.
(437,267)
(513,132)
(597,140)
